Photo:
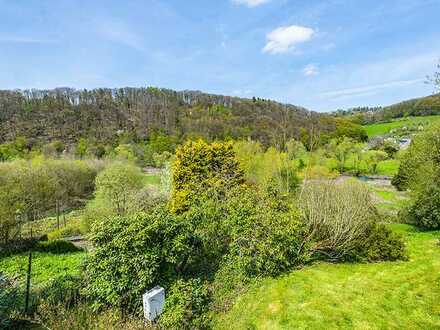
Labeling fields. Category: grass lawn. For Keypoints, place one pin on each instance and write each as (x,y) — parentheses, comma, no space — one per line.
(45,266)
(388,167)
(384,128)
(152,179)
(388,200)
(389,295)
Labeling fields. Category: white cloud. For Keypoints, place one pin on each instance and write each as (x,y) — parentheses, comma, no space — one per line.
(250,3)
(310,70)
(285,38)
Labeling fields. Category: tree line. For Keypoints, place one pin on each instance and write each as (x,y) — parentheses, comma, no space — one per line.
(104,115)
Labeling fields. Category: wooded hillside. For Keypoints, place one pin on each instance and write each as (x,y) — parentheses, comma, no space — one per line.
(424,106)
(103,115)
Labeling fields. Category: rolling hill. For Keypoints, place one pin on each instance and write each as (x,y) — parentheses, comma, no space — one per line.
(399,123)
(133,114)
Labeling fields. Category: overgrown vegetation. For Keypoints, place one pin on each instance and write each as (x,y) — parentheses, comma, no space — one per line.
(217,219)
(227,234)
(33,189)
(420,173)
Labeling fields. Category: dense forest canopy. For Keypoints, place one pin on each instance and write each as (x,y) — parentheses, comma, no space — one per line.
(104,115)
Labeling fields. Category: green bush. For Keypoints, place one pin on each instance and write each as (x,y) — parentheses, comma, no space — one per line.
(250,233)
(186,305)
(64,290)
(420,164)
(266,235)
(135,253)
(425,211)
(56,247)
(199,166)
(380,244)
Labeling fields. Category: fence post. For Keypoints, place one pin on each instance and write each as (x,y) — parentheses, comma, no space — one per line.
(28,284)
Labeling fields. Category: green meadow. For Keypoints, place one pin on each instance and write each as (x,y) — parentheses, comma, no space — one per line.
(387,295)
(384,128)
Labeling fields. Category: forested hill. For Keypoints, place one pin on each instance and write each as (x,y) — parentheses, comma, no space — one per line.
(423,106)
(103,115)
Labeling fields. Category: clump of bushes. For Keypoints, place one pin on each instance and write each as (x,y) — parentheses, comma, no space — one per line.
(33,189)
(186,305)
(134,253)
(379,244)
(425,211)
(420,173)
(341,218)
(241,229)
(218,234)
(199,166)
(420,164)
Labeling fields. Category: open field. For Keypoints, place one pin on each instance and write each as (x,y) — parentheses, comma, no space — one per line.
(388,167)
(387,199)
(152,179)
(389,295)
(384,128)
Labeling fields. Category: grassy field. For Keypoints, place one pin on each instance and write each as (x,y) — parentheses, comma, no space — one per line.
(388,167)
(389,295)
(384,128)
(152,179)
(388,200)
(45,266)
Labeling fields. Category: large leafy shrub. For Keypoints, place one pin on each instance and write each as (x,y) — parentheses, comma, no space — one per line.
(186,305)
(240,230)
(266,234)
(420,164)
(258,233)
(135,253)
(199,166)
(425,211)
(379,244)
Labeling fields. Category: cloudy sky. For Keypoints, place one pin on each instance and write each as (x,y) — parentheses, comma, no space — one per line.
(323,55)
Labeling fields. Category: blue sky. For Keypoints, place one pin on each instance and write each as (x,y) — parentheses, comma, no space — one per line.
(322,55)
